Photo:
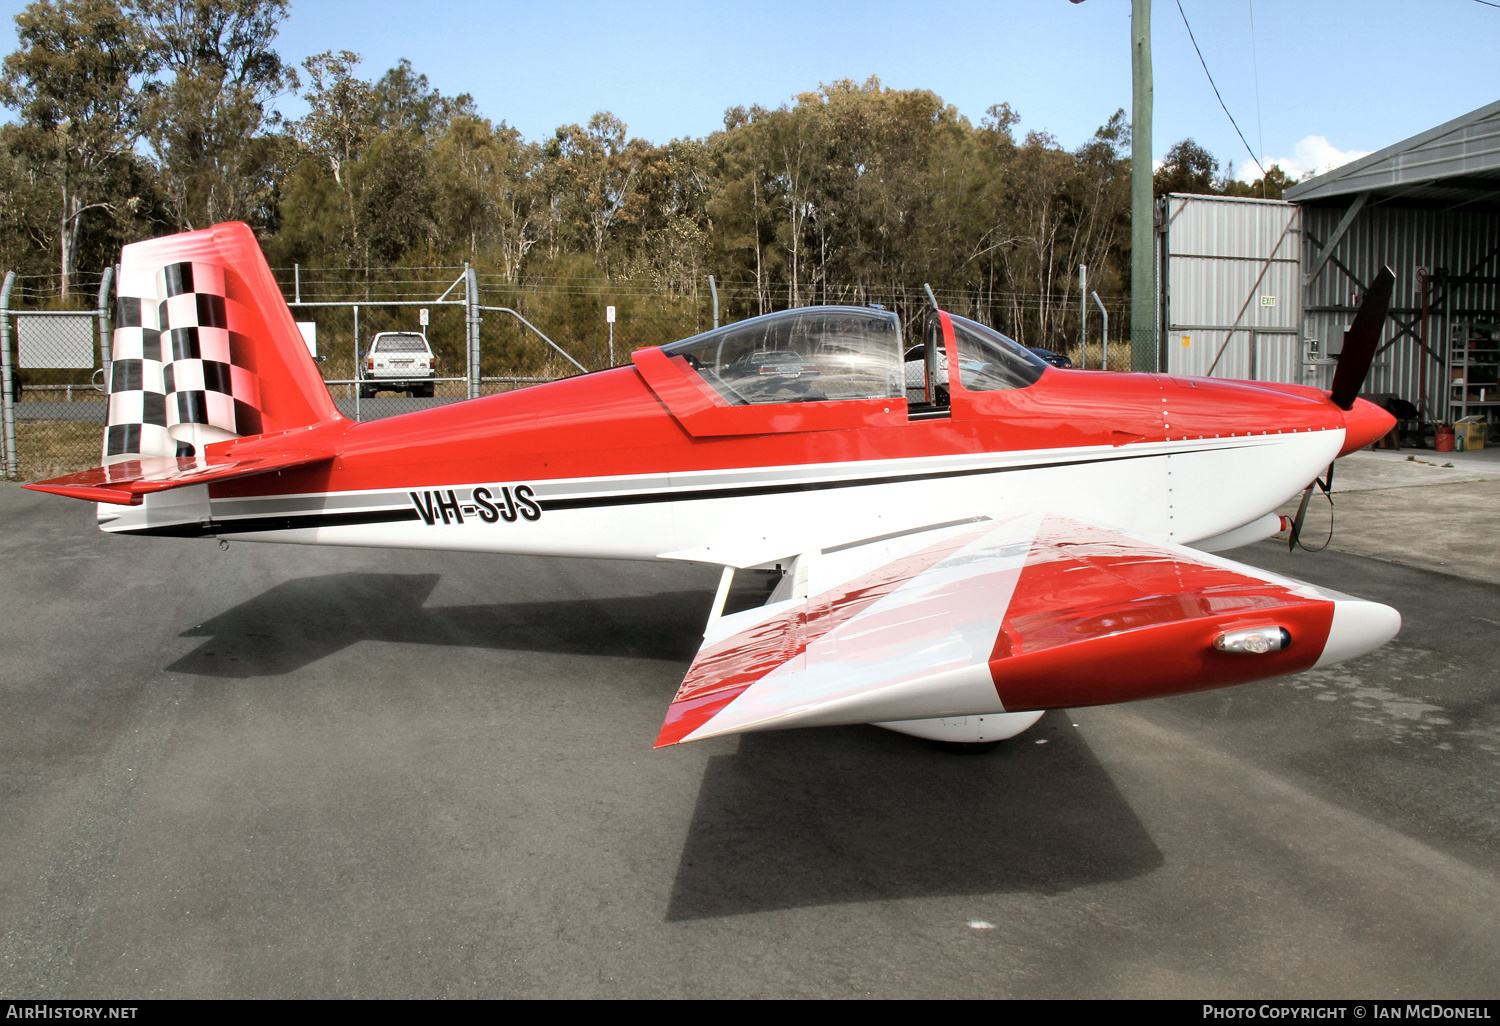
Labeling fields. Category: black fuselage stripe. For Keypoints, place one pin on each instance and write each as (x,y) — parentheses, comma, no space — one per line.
(746,491)
(299,522)
(304,521)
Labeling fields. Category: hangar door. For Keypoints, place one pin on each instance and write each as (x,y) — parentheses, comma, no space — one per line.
(1232,298)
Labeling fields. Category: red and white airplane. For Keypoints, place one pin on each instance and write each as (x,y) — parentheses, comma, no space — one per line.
(945,540)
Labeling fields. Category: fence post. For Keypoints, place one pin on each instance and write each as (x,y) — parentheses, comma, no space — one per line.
(1083,315)
(471,302)
(358,364)
(7,405)
(468,331)
(105,350)
(1104,350)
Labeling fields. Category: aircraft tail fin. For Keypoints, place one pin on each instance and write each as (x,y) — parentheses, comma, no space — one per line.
(205,349)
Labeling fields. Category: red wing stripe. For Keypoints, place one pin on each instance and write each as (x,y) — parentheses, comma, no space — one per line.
(1127,619)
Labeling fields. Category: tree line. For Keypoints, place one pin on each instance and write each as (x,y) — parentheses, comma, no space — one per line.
(135,118)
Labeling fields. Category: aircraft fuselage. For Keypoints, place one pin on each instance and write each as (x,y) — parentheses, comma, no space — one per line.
(612,465)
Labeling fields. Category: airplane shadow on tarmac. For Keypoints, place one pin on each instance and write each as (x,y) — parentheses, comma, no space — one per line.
(857,814)
(793,818)
(299,622)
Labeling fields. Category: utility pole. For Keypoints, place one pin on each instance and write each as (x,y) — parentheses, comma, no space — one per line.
(1143,355)
(1143,342)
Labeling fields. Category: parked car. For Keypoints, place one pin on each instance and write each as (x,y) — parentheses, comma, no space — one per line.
(1055,359)
(399,361)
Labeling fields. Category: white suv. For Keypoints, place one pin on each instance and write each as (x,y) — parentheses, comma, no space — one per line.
(399,361)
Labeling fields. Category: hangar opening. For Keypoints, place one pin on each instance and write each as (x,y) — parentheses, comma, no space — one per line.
(1264,290)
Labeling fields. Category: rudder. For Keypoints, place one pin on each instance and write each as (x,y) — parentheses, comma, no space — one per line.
(205,349)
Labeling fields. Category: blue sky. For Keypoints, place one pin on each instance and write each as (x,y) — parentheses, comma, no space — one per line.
(1356,74)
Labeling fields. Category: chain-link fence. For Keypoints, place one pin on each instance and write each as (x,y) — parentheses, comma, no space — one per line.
(485,334)
(54,353)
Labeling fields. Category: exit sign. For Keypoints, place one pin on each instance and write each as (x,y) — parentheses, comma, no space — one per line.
(1267,300)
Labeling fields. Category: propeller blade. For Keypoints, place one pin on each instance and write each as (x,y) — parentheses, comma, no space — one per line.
(1361,338)
(1296,532)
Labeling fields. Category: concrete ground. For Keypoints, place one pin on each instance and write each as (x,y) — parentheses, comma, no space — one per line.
(1414,506)
(283,772)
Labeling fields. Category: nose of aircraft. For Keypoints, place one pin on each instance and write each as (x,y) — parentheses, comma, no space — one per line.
(1364,423)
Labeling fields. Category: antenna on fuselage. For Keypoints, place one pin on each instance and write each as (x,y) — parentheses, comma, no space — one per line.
(930,297)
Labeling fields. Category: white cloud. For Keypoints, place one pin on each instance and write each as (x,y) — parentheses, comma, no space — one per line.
(1314,156)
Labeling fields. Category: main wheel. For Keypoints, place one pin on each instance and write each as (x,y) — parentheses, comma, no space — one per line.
(966,735)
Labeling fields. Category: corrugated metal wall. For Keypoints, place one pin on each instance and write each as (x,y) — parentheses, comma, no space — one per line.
(1233,277)
(1459,241)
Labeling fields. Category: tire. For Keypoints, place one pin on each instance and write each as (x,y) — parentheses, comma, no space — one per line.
(424,391)
(367,391)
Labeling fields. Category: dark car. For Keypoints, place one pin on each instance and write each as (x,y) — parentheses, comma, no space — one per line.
(774,363)
(1055,359)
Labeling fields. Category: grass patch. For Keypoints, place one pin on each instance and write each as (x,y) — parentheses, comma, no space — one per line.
(51,448)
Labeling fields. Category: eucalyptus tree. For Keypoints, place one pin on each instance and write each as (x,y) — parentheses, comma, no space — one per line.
(335,130)
(402,100)
(597,171)
(209,118)
(75,81)
(398,197)
(670,231)
(739,203)
(1188,167)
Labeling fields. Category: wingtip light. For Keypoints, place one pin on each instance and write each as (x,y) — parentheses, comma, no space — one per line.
(1254,640)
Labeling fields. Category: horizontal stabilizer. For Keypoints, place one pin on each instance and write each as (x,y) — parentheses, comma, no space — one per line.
(124,483)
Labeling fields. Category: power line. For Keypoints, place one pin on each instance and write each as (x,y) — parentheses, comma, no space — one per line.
(1487,3)
(1260,130)
(1248,148)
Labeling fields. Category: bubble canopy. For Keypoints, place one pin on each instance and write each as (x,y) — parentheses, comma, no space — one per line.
(989,361)
(812,354)
(832,353)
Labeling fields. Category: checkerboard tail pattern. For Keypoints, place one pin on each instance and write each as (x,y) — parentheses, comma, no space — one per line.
(176,385)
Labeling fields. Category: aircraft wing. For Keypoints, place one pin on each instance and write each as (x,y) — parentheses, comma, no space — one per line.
(981,617)
(124,483)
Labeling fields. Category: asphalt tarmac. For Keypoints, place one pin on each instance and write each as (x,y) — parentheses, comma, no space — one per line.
(282,771)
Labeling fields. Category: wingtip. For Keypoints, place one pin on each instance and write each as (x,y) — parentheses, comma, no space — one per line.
(1359,626)
(686,716)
